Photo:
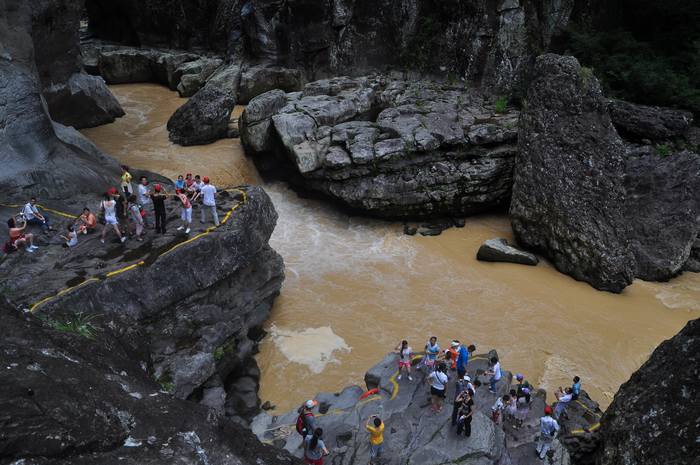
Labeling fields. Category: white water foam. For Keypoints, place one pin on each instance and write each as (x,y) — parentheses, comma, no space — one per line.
(312,347)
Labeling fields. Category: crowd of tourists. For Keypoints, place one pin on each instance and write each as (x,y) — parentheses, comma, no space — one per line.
(126,211)
(509,410)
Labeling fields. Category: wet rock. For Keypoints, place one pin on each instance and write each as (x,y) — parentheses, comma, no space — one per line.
(498,250)
(204,118)
(88,400)
(693,262)
(385,147)
(656,429)
(409,230)
(663,211)
(569,194)
(641,121)
(124,65)
(193,74)
(257,80)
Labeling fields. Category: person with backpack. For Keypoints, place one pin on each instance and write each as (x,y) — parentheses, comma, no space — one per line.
(306,421)
(548,429)
(438,387)
(523,388)
(314,448)
(376,439)
(109,207)
(136,217)
(18,238)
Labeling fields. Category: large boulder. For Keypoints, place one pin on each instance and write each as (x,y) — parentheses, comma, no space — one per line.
(662,209)
(204,118)
(88,397)
(256,80)
(653,419)
(386,147)
(498,250)
(126,64)
(74,98)
(647,122)
(569,193)
(194,322)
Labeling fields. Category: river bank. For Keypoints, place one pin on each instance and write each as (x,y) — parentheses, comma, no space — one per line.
(355,287)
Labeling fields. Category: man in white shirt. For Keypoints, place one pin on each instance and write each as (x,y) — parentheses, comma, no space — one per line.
(144,199)
(563,399)
(208,201)
(34,217)
(548,428)
(495,373)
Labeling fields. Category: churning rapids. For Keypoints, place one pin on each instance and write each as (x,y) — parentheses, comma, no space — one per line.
(355,287)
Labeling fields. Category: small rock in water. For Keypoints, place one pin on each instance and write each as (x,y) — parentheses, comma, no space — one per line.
(268,406)
(409,230)
(498,250)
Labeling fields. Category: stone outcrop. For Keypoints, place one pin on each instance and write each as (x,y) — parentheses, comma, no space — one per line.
(386,147)
(415,435)
(205,117)
(88,397)
(482,41)
(498,250)
(35,159)
(74,98)
(256,80)
(653,417)
(569,195)
(662,209)
(693,262)
(196,304)
(646,122)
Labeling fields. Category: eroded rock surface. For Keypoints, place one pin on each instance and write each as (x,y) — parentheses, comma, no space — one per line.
(642,121)
(569,194)
(386,147)
(498,250)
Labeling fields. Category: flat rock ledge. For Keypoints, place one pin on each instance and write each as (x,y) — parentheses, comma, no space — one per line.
(498,250)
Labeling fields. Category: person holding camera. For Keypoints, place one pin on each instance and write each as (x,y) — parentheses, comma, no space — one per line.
(375,427)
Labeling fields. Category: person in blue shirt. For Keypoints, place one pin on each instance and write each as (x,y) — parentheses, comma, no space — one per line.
(463,354)
(576,388)
(432,349)
(180,183)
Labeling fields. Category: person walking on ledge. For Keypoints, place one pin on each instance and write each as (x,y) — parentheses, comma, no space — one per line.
(405,356)
(376,439)
(208,192)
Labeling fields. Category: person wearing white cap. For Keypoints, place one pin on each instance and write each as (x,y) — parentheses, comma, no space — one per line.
(306,422)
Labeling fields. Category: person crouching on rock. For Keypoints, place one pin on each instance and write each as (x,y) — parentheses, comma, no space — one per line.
(87,222)
(438,387)
(405,356)
(18,238)
(375,427)
(109,205)
(185,211)
(314,448)
(71,237)
(548,428)
(466,411)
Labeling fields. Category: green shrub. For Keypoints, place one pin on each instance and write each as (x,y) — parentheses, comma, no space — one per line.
(663,150)
(501,104)
(77,324)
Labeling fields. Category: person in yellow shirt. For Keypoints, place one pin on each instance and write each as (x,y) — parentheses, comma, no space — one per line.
(125,183)
(376,439)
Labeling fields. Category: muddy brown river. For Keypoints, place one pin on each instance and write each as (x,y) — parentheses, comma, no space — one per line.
(356,287)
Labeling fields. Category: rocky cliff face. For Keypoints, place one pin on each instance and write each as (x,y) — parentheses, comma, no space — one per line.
(387,147)
(197,304)
(653,418)
(490,42)
(88,398)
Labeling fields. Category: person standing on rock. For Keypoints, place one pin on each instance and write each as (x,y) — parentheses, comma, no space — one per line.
(576,388)
(376,439)
(314,448)
(461,388)
(495,373)
(158,196)
(563,399)
(208,201)
(432,349)
(451,354)
(180,183)
(185,211)
(405,356)
(463,354)
(109,207)
(438,387)
(144,198)
(125,182)
(497,408)
(135,217)
(466,411)
(548,429)
(523,388)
